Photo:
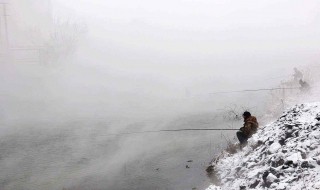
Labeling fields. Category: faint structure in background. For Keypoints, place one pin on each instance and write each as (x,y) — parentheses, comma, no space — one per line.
(4,36)
(30,33)
(24,29)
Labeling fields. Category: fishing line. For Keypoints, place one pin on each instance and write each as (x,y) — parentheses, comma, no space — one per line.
(169,130)
(253,90)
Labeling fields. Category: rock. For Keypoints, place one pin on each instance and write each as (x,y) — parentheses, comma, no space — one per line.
(274,147)
(295,157)
(288,126)
(255,146)
(295,134)
(271,178)
(268,179)
(289,163)
(303,155)
(313,147)
(311,166)
(277,163)
(210,169)
(282,142)
(305,164)
(238,168)
(255,184)
(265,175)
(289,134)
(282,186)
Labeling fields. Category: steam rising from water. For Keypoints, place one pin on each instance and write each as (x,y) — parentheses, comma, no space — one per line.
(139,66)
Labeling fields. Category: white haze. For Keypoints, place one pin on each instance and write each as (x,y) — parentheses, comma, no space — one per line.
(145,65)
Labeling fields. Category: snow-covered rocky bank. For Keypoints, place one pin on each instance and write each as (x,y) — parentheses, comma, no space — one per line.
(284,155)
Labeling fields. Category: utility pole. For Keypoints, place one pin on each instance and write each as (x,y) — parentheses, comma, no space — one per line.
(5,23)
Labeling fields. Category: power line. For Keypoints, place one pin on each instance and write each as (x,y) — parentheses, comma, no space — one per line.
(6,33)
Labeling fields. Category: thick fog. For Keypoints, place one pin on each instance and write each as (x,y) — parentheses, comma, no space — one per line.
(74,74)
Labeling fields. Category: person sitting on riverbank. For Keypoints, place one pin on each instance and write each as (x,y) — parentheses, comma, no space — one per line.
(297,75)
(250,127)
(304,86)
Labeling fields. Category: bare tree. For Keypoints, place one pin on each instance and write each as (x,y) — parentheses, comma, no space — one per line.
(63,39)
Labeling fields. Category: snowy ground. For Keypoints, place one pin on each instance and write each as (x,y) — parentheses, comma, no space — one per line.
(282,155)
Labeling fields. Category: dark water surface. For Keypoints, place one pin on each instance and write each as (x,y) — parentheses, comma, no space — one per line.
(85,157)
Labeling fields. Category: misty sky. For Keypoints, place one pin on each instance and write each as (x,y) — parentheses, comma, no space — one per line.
(185,37)
(161,49)
(158,52)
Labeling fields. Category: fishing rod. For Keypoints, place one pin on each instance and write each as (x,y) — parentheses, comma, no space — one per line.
(171,130)
(253,90)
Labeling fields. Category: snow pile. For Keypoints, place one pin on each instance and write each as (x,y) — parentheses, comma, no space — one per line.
(284,155)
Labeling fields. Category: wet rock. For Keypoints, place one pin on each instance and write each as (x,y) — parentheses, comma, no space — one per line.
(311,166)
(255,184)
(289,126)
(313,147)
(265,175)
(289,134)
(277,163)
(305,164)
(282,142)
(283,116)
(303,155)
(285,167)
(210,169)
(289,163)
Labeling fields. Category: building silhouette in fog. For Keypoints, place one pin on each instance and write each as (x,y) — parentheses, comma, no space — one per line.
(24,28)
